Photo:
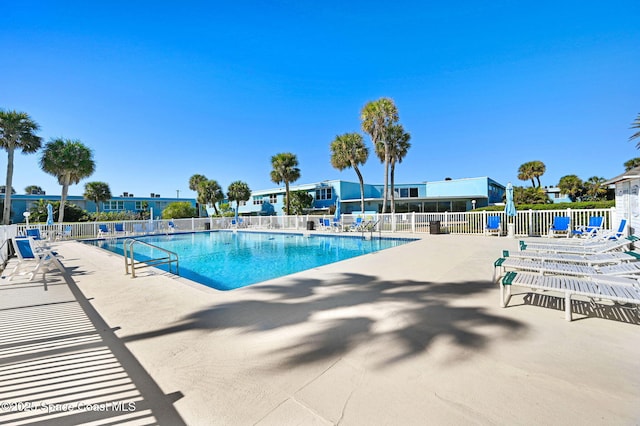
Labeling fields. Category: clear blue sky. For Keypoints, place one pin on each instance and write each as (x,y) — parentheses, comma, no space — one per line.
(163,90)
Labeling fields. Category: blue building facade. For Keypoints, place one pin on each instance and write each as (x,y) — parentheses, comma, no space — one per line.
(454,195)
(21,203)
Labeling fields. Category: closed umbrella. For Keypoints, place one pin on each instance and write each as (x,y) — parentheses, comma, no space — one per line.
(510,209)
(336,215)
(49,214)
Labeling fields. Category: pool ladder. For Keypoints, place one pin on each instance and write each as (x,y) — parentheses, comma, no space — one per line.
(129,260)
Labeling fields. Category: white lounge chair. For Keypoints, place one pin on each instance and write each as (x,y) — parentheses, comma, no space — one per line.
(600,246)
(33,259)
(620,291)
(590,259)
(591,230)
(355,224)
(629,269)
(103,231)
(66,232)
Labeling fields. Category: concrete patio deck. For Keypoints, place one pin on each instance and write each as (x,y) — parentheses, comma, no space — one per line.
(409,335)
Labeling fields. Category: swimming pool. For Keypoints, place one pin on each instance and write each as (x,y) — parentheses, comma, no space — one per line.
(226,260)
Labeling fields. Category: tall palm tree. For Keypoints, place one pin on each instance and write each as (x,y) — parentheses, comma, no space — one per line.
(69,161)
(377,117)
(194,183)
(595,189)
(97,192)
(537,169)
(210,193)
(636,135)
(630,164)
(525,172)
(398,147)
(17,131)
(285,169)
(238,191)
(349,150)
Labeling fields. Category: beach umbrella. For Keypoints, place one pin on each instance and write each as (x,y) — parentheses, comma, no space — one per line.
(510,207)
(49,214)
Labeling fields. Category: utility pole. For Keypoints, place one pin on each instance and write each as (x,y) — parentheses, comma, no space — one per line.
(177,193)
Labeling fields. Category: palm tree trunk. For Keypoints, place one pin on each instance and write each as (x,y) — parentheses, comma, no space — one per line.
(393,195)
(215,208)
(6,214)
(386,177)
(286,187)
(63,198)
(355,167)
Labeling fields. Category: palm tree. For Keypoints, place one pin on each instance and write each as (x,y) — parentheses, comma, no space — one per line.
(636,135)
(17,131)
(377,117)
(69,161)
(525,172)
(594,188)
(210,193)
(571,185)
(349,150)
(634,162)
(537,169)
(33,189)
(285,169)
(398,147)
(238,191)
(97,192)
(194,183)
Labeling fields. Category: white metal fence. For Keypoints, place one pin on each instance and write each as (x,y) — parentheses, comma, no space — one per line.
(526,223)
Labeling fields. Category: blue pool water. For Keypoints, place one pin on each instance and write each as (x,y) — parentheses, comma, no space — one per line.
(227,260)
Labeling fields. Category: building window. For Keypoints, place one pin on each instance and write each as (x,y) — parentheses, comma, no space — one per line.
(242,203)
(406,192)
(273,198)
(324,194)
(139,205)
(113,205)
(258,200)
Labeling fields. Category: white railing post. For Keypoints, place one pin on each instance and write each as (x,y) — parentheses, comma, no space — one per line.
(483,225)
(530,223)
(413,222)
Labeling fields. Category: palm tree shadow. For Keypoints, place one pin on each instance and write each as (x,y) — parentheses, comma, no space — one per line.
(354,310)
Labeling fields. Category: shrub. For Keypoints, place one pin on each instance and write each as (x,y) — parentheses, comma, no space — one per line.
(179,210)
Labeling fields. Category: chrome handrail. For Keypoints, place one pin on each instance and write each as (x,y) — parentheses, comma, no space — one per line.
(129,259)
